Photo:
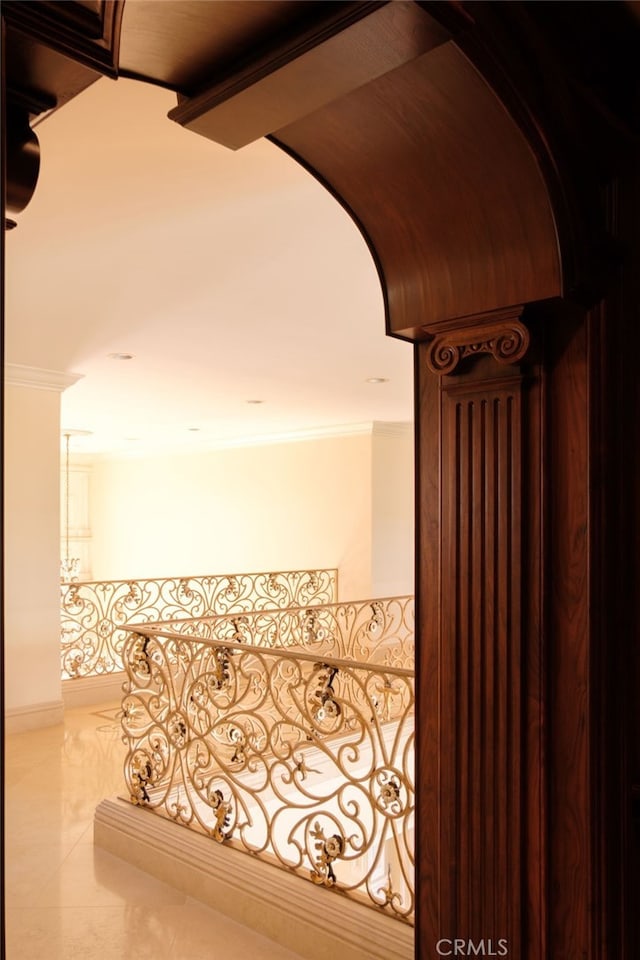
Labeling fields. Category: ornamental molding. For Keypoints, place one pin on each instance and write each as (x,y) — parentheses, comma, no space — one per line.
(17,375)
(500,333)
(391,428)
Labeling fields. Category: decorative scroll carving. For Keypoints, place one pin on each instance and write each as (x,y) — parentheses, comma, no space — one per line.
(501,334)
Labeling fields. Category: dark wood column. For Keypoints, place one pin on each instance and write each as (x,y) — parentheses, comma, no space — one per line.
(480,416)
(528,621)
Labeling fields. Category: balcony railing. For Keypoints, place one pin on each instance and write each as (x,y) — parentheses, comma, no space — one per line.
(299,754)
(378,630)
(93,613)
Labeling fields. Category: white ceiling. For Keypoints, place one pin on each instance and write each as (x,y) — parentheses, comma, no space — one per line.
(230,277)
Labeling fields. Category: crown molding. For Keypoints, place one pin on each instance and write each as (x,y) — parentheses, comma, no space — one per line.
(17,375)
(373,429)
(295,436)
(335,431)
(390,428)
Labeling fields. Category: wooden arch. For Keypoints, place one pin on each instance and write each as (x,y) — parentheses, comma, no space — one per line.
(489,154)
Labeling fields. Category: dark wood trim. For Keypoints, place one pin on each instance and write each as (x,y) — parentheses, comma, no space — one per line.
(561,70)
(571,685)
(311,70)
(430,212)
(432,872)
(22,157)
(344,16)
(89,36)
(33,102)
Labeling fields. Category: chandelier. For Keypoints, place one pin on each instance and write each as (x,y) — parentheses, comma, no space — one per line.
(69,566)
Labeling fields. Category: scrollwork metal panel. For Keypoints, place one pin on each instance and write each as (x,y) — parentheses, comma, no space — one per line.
(94,613)
(303,760)
(379,631)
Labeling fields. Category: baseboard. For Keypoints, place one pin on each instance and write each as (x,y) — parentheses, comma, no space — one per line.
(88,691)
(317,923)
(33,716)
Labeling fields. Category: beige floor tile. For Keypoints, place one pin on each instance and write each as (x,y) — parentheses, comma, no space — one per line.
(205,934)
(66,899)
(98,933)
(91,877)
(42,829)
(27,869)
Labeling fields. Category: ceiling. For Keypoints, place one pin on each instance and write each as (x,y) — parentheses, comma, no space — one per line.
(229,277)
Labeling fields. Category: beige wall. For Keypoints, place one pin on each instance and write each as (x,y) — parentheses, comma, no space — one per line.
(280,506)
(392,510)
(31,555)
(344,502)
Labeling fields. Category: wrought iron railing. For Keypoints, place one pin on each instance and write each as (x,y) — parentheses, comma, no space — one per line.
(378,630)
(93,613)
(292,754)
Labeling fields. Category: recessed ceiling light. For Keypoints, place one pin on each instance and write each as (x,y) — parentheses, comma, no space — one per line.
(377,380)
(255,401)
(120,356)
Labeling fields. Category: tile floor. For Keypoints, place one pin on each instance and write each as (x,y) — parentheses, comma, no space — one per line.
(66,899)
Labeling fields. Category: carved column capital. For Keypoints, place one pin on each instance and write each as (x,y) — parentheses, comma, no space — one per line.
(500,333)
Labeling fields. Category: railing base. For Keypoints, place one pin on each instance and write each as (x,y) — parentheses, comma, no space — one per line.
(318,924)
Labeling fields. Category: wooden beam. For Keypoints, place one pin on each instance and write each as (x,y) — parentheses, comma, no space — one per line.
(315,69)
